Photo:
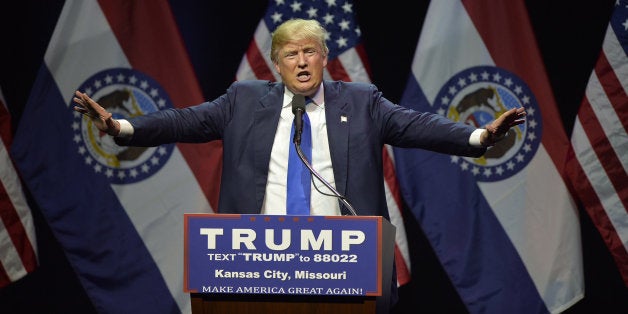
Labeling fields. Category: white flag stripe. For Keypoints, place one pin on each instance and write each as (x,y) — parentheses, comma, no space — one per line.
(154,217)
(10,258)
(353,66)
(396,220)
(10,181)
(14,265)
(608,118)
(432,75)
(82,44)
(521,204)
(616,56)
(592,167)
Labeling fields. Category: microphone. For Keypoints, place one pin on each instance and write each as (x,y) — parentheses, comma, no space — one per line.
(298,108)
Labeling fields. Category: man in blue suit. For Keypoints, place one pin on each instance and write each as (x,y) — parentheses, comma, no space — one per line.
(350,124)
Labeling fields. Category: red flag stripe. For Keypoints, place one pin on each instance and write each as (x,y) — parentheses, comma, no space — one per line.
(610,81)
(179,80)
(13,218)
(337,70)
(12,223)
(401,261)
(596,211)
(391,178)
(604,150)
(257,63)
(491,28)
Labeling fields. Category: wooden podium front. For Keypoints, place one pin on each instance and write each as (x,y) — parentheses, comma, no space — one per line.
(376,301)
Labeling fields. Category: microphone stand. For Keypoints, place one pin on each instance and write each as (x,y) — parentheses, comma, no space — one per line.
(320,178)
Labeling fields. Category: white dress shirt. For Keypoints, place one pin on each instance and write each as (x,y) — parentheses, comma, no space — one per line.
(275,197)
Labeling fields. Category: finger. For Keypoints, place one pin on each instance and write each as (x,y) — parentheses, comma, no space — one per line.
(78,101)
(80,109)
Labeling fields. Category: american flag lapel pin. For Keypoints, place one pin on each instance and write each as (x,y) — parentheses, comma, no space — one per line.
(343,119)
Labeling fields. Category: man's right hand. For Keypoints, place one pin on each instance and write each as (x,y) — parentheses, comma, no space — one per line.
(101,117)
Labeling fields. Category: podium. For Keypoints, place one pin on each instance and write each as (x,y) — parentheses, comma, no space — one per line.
(288,264)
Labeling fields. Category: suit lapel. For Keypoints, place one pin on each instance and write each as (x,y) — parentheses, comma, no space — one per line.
(336,116)
(266,119)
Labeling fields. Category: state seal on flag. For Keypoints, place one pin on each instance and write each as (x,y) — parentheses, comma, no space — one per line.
(477,96)
(125,93)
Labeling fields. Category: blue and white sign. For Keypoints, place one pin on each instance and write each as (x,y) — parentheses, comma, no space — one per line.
(269,254)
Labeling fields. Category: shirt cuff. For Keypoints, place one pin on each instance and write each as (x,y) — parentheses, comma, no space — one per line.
(126,128)
(474,139)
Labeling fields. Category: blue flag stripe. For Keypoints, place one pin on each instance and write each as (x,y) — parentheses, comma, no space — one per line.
(82,210)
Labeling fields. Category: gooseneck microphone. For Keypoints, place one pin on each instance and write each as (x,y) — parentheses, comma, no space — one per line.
(298,108)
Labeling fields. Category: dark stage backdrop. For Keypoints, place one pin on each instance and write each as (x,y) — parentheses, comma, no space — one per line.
(217,33)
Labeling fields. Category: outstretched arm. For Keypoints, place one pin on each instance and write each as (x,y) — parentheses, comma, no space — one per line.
(497,129)
(101,117)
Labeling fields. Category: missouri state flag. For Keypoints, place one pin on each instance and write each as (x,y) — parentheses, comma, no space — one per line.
(116,211)
(504,226)
(347,61)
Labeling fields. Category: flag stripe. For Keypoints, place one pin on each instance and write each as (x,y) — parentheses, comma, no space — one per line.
(257,63)
(607,213)
(517,59)
(4,275)
(617,98)
(611,165)
(337,71)
(17,232)
(15,221)
(608,104)
(395,205)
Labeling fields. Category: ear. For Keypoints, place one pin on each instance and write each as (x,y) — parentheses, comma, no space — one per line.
(277,67)
(325,61)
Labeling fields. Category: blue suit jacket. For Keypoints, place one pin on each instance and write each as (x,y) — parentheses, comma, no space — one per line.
(245,118)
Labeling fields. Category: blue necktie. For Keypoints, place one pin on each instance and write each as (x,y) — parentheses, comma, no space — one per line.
(299,177)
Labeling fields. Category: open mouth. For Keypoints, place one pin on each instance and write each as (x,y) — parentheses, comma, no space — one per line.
(303,76)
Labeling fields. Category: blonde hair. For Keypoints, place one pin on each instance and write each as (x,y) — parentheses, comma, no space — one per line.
(297,29)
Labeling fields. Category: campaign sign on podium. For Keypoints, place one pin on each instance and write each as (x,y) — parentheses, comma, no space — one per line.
(271,254)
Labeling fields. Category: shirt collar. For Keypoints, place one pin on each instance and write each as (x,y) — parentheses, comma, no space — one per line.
(318,98)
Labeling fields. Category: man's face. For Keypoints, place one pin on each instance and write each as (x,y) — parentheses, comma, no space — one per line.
(301,64)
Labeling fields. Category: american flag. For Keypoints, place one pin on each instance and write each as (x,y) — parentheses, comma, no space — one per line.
(18,245)
(347,61)
(598,166)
